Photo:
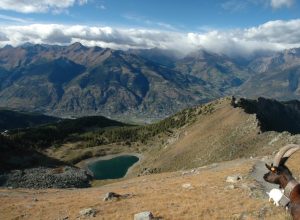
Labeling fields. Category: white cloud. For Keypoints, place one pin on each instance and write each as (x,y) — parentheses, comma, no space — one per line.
(14,19)
(143,20)
(239,6)
(281,3)
(234,5)
(3,37)
(39,6)
(82,2)
(102,7)
(282,32)
(273,35)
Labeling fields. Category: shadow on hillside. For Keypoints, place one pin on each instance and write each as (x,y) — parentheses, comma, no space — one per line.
(14,156)
(271,114)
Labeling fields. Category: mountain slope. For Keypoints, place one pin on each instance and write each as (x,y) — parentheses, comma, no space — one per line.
(39,85)
(277,61)
(126,83)
(219,132)
(220,71)
(282,84)
(143,85)
(78,80)
(195,137)
(167,58)
(23,148)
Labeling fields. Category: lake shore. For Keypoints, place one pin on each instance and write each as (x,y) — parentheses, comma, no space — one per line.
(85,163)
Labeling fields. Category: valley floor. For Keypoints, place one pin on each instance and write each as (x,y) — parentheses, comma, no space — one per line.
(201,193)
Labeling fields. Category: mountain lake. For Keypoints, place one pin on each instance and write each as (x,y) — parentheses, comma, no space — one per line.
(114,168)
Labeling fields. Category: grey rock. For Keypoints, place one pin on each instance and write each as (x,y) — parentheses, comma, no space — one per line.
(249,186)
(43,177)
(111,196)
(88,212)
(148,171)
(233,179)
(147,215)
(187,186)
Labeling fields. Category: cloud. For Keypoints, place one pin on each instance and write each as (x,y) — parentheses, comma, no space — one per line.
(14,19)
(3,37)
(234,5)
(273,35)
(281,3)
(239,6)
(39,6)
(282,32)
(101,7)
(143,20)
(82,2)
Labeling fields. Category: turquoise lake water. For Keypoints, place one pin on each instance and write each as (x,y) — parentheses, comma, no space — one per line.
(114,168)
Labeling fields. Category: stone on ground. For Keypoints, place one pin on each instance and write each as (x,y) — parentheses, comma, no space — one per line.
(144,216)
(233,179)
(111,196)
(88,212)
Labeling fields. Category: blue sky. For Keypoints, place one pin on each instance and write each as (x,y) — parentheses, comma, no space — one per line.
(183,15)
(124,24)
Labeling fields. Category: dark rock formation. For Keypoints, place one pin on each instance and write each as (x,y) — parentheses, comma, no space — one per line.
(274,115)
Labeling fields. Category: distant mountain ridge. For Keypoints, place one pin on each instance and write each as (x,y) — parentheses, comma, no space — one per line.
(77,80)
(277,76)
(220,70)
(145,83)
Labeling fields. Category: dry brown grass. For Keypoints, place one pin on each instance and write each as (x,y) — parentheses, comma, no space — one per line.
(226,133)
(221,133)
(162,194)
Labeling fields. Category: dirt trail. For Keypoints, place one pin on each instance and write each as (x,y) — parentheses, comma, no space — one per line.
(258,172)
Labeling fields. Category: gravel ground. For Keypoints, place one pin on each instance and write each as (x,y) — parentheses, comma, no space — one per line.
(259,171)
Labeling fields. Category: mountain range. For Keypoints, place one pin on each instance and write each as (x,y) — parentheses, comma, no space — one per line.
(146,84)
(277,76)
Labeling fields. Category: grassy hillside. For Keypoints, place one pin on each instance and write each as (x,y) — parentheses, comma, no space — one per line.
(223,133)
(141,139)
(44,136)
(77,139)
(194,137)
(24,148)
(13,119)
(15,156)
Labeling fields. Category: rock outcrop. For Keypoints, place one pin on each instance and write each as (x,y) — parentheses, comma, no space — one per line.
(273,115)
(42,177)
